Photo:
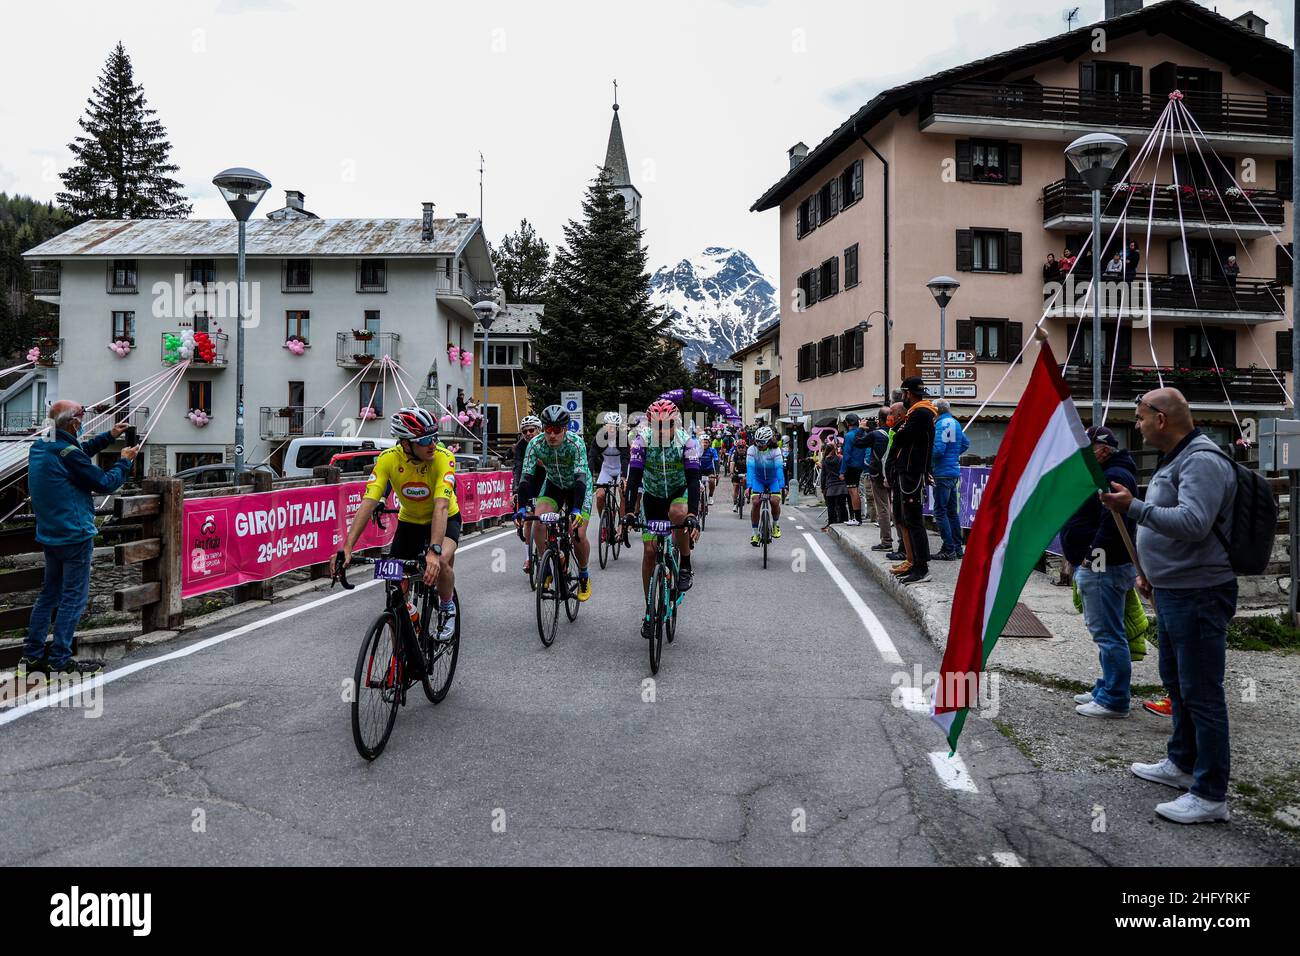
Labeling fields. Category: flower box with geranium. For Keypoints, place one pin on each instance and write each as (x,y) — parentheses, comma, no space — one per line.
(363,335)
(361,358)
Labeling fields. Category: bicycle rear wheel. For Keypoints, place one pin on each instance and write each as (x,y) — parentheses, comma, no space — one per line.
(765,533)
(571,602)
(657,610)
(606,534)
(376,688)
(548,597)
(672,607)
(439,656)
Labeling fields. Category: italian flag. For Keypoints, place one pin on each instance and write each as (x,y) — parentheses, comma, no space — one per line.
(1044,471)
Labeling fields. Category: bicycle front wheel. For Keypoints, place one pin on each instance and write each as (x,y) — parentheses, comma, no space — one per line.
(376,687)
(439,655)
(548,597)
(606,535)
(657,610)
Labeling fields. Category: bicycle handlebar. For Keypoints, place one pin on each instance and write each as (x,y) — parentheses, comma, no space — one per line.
(340,570)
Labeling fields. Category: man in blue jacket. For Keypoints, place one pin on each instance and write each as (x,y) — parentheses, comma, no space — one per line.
(62,480)
(950,443)
(853,460)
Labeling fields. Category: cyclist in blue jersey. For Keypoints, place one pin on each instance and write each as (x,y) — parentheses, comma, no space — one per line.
(765,472)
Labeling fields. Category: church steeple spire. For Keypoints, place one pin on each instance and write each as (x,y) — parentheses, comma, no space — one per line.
(616,167)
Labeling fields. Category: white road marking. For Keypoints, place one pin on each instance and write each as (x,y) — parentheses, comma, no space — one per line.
(108,677)
(952,772)
(799,527)
(875,630)
(913,699)
(1007,858)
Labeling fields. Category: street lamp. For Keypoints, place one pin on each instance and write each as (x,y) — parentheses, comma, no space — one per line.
(1095,156)
(943,288)
(486,312)
(242,189)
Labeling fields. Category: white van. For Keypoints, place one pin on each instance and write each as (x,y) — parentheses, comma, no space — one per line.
(304,454)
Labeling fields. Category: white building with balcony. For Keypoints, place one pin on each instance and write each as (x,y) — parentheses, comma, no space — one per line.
(351,290)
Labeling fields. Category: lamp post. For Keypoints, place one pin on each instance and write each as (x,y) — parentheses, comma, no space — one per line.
(242,189)
(1095,156)
(943,288)
(486,312)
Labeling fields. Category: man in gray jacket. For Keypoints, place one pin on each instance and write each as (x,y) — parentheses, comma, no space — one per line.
(1186,567)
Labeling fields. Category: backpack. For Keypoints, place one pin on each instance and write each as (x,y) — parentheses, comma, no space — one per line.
(1254,521)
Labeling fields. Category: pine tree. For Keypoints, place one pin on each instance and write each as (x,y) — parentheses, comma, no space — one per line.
(599,333)
(523,265)
(121,168)
(24,224)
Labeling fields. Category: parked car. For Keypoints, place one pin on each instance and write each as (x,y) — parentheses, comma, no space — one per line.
(355,465)
(214,476)
(305,454)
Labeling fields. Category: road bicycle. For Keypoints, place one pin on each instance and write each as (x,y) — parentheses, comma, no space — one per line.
(739,498)
(611,536)
(765,522)
(393,656)
(530,568)
(704,500)
(555,574)
(663,600)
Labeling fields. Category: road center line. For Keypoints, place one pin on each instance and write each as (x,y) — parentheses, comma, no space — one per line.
(875,630)
(108,677)
(952,772)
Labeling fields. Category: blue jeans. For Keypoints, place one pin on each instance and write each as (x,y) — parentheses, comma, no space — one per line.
(945,513)
(67,587)
(1103,594)
(1193,634)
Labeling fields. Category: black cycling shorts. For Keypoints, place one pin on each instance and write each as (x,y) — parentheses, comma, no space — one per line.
(412,540)
(852,476)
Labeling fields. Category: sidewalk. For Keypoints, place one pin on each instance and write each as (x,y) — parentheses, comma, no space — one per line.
(1038,677)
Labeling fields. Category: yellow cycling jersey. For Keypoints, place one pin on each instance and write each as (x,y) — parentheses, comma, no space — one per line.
(417,484)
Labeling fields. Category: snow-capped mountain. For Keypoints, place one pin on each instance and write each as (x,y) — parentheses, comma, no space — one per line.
(718,301)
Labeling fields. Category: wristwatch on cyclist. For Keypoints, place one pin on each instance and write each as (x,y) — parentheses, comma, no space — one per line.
(436,549)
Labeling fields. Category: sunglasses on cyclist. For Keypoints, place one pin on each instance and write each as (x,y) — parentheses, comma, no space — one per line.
(555,429)
(424,442)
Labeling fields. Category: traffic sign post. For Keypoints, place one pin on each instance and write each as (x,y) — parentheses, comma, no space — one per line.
(794,411)
(572,403)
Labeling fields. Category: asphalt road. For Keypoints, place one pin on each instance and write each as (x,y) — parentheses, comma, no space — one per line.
(773,734)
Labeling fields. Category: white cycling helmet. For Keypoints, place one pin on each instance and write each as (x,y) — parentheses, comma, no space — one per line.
(530,421)
(612,418)
(412,422)
(764,435)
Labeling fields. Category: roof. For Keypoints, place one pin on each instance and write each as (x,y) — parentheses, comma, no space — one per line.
(517,319)
(765,335)
(216,238)
(1182,20)
(616,155)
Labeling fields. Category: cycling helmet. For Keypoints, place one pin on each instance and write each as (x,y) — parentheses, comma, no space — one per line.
(553,415)
(531,421)
(412,423)
(612,418)
(663,411)
(764,436)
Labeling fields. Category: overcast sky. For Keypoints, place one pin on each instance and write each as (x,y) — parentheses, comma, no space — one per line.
(371,108)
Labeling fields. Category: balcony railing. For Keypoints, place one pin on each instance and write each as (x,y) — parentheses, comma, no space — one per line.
(1247,386)
(1167,293)
(1240,114)
(351,352)
(467,287)
(170,355)
(1064,199)
(292,421)
(45,279)
(50,352)
(20,423)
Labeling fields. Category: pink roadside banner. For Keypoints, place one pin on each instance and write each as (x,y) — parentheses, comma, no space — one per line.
(253,537)
(231,541)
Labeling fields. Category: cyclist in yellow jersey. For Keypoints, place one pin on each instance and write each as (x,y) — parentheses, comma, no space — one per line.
(422,474)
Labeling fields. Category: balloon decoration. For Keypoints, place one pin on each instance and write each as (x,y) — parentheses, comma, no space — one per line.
(296,346)
(367,414)
(204,348)
(198,418)
(33,354)
(466,359)
(121,348)
(453,354)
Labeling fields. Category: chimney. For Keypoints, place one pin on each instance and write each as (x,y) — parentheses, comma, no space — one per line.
(294,199)
(1252,22)
(462,215)
(426,223)
(798,153)
(1117,8)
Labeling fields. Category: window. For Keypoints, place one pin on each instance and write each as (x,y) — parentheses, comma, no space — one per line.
(828,355)
(807,216)
(371,392)
(1282,263)
(371,275)
(297,323)
(851,349)
(1203,348)
(1283,346)
(988,250)
(828,201)
(828,283)
(203,271)
(505,356)
(124,327)
(185,460)
(122,275)
(121,401)
(761,375)
(297,275)
(851,185)
(1082,339)
(201,396)
(201,321)
(808,288)
(807,361)
(851,266)
(992,340)
(1284,178)
(988,161)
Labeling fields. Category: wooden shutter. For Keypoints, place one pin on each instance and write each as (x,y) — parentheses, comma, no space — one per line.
(963,161)
(1164,77)
(965,250)
(966,335)
(1284,178)
(1283,263)
(1014,251)
(1014,164)
(1015,339)
(1182,348)
(814,211)
(857,180)
(814,285)
(859,346)
(1283,359)
(835,275)
(1087,76)
(1134,79)
(1225,350)
(836,202)
(1124,357)
(1074,342)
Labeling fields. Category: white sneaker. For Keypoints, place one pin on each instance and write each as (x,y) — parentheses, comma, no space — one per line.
(1094,709)
(1083,698)
(448,630)
(853,522)
(1163,772)
(1189,808)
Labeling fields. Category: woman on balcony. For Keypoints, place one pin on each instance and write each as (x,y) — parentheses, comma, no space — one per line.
(1051,269)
